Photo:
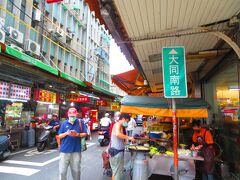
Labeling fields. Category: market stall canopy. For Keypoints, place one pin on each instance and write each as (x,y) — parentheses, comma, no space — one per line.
(157,106)
(131,82)
(142,28)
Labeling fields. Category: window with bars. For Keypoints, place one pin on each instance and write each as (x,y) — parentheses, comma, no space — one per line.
(23,10)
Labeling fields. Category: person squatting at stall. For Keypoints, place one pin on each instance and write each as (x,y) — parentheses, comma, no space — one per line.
(117,146)
(203,142)
(70,148)
(55,122)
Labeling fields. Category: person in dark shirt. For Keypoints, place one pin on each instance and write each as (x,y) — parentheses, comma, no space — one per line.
(70,133)
(55,122)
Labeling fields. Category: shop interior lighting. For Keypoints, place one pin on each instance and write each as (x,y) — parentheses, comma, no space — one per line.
(50,86)
(64,102)
(41,102)
(51,106)
(73,92)
(233,88)
(72,104)
(13,100)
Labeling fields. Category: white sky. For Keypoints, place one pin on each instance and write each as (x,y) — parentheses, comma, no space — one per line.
(118,61)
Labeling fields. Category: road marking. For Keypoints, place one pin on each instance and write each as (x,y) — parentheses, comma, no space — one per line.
(28,163)
(90,144)
(22,151)
(18,170)
(34,152)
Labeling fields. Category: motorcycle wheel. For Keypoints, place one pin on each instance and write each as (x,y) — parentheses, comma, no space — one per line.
(41,146)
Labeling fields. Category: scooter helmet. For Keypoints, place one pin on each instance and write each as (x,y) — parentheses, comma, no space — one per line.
(106,114)
(72,112)
(55,115)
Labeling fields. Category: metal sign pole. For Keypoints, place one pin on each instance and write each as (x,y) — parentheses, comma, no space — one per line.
(175,139)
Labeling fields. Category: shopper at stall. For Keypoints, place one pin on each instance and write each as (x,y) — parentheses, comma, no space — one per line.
(105,122)
(203,142)
(117,146)
(55,122)
(131,126)
(70,133)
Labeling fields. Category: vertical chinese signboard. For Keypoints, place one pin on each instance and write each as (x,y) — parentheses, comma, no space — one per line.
(175,86)
(174,72)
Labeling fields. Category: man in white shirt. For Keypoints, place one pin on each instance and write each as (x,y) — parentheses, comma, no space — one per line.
(131,126)
(105,122)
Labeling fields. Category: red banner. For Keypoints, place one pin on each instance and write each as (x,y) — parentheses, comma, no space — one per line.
(54,1)
(77,98)
(44,96)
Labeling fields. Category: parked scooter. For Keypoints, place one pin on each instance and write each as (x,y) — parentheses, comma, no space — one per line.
(47,138)
(103,137)
(5,147)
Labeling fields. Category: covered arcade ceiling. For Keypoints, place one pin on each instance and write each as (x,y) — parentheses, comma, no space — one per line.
(142,27)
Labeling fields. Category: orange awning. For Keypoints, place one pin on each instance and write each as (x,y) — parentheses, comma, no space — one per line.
(131,82)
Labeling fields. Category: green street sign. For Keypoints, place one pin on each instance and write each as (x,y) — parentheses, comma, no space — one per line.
(174,72)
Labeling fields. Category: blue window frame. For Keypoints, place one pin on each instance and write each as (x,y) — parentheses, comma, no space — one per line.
(47,7)
(45,46)
(71,58)
(62,21)
(55,11)
(66,57)
(52,52)
(60,53)
(33,35)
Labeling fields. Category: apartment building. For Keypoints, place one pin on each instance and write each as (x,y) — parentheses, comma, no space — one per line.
(65,35)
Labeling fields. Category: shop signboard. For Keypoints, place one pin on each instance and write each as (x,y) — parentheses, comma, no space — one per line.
(77,98)
(4,89)
(115,106)
(44,96)
(101,103)
(20,92)
(174,72)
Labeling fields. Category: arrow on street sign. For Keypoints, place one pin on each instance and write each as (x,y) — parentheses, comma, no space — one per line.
(173,52)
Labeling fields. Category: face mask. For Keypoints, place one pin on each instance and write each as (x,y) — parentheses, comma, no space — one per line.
(72,119)
(125,124)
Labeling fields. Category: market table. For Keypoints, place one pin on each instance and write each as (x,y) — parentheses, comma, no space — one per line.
(162,164)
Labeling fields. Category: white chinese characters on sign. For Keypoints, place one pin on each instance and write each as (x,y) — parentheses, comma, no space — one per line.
(174,74)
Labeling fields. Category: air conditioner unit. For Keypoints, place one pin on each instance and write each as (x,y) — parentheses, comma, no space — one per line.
(69,36)
(57,32)
(32,47)
(2,36)
(16,47)
(37,15)
(15,34)
(2,22)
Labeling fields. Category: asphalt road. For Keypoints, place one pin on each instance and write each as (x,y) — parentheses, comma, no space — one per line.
(30,164)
